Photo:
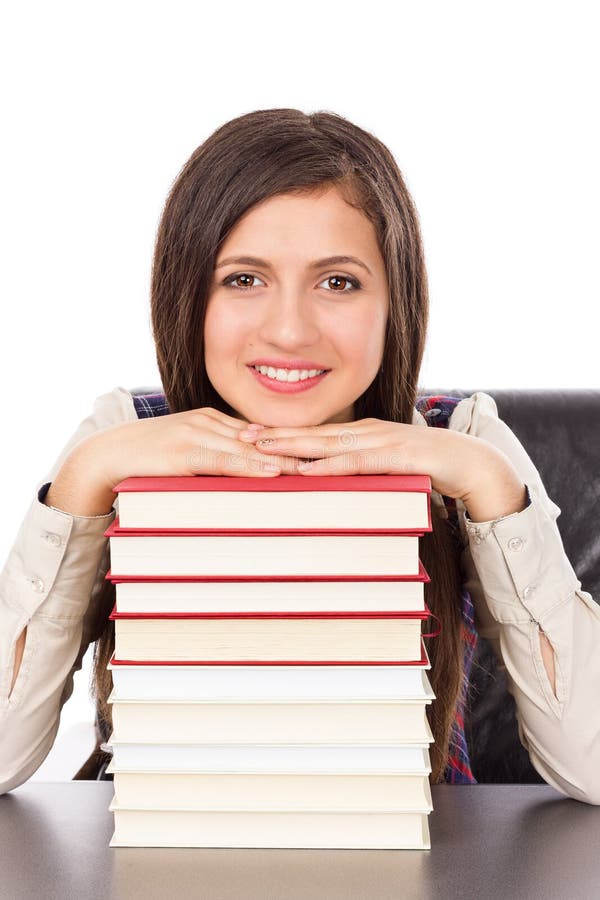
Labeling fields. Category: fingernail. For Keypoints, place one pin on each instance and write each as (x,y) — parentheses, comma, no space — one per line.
(255,427)
(247,434)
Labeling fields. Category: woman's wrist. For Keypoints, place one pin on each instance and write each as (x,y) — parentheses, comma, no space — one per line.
(501,492)
(78,491)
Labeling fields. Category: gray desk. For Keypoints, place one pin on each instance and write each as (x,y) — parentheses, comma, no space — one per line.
(490,842)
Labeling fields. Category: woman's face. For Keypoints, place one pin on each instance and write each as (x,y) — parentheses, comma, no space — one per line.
(288,308)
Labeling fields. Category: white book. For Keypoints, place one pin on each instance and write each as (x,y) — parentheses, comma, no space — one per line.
(202,722)
(323,830)
(282,554)
(269,596)
(286,682)
(296,758)
(226,791)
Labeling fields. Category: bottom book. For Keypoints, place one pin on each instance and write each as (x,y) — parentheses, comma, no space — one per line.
(270,829)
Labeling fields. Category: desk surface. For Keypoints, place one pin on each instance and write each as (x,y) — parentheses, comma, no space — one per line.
(488,841)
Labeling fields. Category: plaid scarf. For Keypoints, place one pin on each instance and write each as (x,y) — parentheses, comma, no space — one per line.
(437,411)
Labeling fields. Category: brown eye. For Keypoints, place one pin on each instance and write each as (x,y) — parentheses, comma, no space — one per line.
(239,276)
(345,280)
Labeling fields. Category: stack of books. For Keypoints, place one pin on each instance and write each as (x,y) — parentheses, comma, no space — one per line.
(269,675)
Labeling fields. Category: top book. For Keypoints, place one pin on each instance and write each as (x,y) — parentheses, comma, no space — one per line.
(357,503)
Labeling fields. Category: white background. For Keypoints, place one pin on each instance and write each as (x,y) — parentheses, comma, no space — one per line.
(489,108)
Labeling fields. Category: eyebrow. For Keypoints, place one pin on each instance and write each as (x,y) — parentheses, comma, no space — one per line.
(327,261)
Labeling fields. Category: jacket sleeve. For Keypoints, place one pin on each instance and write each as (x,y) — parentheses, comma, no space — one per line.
(51,580)
(521,582)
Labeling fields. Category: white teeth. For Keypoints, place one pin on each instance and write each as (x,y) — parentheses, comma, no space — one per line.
(288,374)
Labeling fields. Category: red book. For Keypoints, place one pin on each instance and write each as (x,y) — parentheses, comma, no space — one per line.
(261,553)
(295,638)
(277,593)
(356,504)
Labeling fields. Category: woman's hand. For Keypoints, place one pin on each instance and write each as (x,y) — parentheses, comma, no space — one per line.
(459,465)
(196,442)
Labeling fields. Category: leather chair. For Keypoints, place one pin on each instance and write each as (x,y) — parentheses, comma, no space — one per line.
(560,430)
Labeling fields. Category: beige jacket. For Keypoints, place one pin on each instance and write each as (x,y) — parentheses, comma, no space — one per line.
(518,576)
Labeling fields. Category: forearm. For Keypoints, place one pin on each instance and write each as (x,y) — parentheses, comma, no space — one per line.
(501,493)
(72,493)
(77,490)
(500,562)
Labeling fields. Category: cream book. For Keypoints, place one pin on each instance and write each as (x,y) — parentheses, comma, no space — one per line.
(254,554)
(337,637)
(287,594)
(347,722)
(397,830)
(226,791)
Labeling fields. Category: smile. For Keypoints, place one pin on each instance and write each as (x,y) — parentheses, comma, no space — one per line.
(284,386)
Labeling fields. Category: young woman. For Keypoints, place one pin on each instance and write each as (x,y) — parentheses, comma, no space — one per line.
(289,292)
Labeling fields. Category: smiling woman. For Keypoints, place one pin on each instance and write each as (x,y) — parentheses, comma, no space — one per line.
(289,291)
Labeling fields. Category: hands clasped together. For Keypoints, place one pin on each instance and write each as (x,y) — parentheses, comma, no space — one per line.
(373,446)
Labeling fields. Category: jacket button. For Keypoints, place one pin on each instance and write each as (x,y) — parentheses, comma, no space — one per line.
(37,584)
(515,543)
(52,538)
(528,591)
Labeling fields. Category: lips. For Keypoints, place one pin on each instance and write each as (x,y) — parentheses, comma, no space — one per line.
(287,387)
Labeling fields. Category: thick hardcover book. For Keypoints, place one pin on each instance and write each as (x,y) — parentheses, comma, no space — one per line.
(285,722)
(341,637)
(260,791)
(122,661)
(334,759)
(251,554)
(394,830)
(287,502)
(195,681)
(283,593)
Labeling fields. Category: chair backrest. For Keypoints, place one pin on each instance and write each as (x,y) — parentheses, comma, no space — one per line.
(560,430)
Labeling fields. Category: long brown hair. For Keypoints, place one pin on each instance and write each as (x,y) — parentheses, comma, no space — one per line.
(247,160)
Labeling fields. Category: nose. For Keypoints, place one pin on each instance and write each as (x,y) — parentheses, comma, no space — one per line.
(289,321)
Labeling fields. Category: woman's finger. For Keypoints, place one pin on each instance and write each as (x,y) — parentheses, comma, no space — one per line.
(355,463)
(323,446)
(342,429)
(228,456)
